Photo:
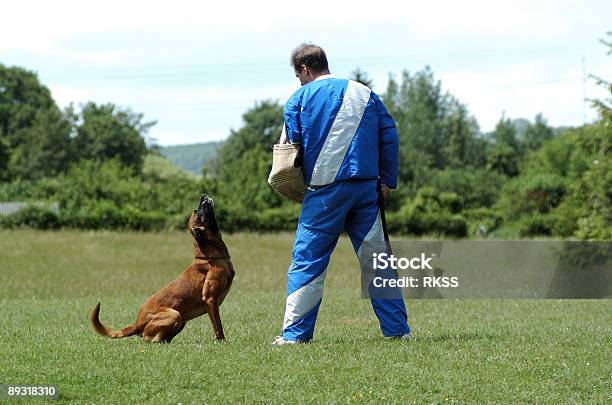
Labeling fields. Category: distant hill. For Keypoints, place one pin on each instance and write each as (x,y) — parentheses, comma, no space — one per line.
(191,157)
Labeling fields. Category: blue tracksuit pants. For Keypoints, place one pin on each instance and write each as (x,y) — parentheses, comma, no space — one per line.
(327,210)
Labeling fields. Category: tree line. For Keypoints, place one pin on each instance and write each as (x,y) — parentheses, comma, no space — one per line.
(523,179)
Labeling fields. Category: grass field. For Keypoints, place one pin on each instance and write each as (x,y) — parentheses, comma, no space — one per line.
(466,351)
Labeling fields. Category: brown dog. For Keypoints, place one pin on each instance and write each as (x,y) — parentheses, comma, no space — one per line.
(200,289)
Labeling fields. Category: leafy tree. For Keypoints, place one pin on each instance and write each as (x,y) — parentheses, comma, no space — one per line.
(44,147)
(604,106)
(38,140)
(246,189)
(425,112)
(560,156)
(416,105)
(360,76)
(506,134)
(503,159)
(462,148)
(21,97)
(262,126)
(391,98)
(536,134)
(34,134)
(4,157)
(564,187)
(593,197)
(592,194)
(504,155)
(435,129)
(587,209)
(105,132)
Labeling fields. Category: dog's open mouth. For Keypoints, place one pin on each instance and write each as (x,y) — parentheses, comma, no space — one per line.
(205,201)
(205,217)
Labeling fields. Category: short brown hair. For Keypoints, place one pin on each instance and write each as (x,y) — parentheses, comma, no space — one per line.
(311,55)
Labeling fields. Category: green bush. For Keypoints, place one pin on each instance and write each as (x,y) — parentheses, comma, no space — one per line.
(32,217)
(430,212)
(592,198)
(477,187)
(564,187)
(105,214)
(537,225)
(482,221)
(566,220)
(554,157)
(533,194)
(17,190)
(428,223)
(235,218)
(283,218)
(432,199)
(557,223)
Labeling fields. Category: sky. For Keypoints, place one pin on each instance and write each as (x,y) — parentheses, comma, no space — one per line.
(196,66)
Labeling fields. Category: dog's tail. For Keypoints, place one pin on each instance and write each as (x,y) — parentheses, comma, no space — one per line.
(104,331)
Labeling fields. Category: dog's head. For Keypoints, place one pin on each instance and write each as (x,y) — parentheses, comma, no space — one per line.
(202,223)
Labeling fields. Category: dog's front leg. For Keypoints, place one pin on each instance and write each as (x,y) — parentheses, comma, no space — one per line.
(213,313)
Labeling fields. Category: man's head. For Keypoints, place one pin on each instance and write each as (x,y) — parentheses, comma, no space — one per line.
(309,62)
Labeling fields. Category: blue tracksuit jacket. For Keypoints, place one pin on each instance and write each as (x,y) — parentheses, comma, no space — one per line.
(345,130)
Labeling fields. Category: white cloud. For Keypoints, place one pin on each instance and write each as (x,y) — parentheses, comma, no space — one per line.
(523,90)
(45,26)
(208,96)
(489,54)
(64,95)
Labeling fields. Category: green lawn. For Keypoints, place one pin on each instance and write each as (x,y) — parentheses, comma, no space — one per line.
(545,351)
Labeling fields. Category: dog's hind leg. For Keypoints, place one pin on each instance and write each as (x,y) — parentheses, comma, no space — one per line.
(163,326)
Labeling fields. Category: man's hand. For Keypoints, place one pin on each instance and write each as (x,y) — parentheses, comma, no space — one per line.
(384,193)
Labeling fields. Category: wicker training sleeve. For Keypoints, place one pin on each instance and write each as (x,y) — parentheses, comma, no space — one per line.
(285,178)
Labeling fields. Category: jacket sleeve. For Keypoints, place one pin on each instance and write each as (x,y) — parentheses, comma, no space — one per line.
(291,114)
(388,145)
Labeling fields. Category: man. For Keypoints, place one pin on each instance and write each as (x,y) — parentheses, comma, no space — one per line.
(349,143)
